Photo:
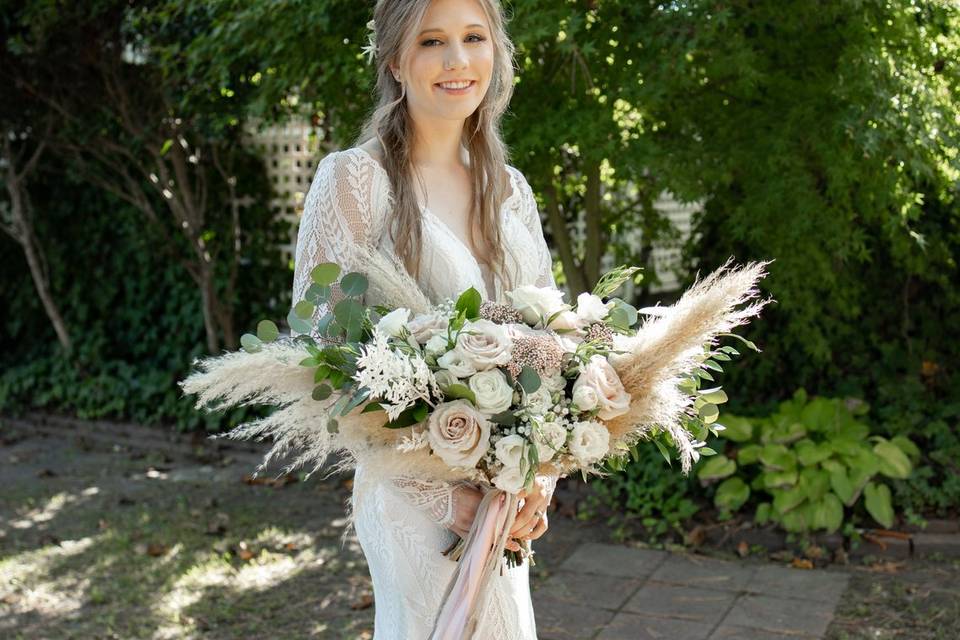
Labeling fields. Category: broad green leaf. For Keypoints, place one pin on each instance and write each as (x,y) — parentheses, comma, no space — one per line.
(748,454)
(469,303)
(457,390)
(814,482)
(762,514)
(779,479)
(370,407)
(841,485)
(810,453)
(267,331)
(786,499)
(894,463)
(731,494)
(737,429)
(325,273)
(716,468)
(354,285)
(776,457)
(250,343)
(908,447)
(505,418)
(827,513)
(879,503)
(795,521)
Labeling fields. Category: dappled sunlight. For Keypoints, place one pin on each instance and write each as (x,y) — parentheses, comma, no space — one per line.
(54,505)
(26,585)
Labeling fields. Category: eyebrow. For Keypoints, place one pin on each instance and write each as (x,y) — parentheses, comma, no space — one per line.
(469,26)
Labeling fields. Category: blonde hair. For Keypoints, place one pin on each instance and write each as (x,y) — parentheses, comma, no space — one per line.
(396,22)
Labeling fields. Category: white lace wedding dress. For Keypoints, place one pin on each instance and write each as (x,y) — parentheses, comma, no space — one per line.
(401,522)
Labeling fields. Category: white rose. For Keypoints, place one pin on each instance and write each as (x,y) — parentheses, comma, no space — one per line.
(510,479)
(536,302)
(484,344)
(427,325)
(554,383)
(458,433)
(456,363)
(567,321)
(511,451)
(585,397)
(590,308)
(549,438)
(492,391)
(589,442)
(436,346)
(612,399)
(393,322)
(540,401)
(444,378)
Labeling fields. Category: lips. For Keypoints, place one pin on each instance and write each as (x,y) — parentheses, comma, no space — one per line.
(440,85)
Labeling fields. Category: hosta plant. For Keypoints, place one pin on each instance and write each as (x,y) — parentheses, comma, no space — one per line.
(809,465)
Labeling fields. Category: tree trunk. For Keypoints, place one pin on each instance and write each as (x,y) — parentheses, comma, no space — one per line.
(21,229)
(576,283)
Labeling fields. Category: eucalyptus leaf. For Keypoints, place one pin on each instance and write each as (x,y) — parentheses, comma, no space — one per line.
(325,273)
(529,379)
(322,392)
(297,323)
(267,331)
(250,343)
(354,284)
(304,309)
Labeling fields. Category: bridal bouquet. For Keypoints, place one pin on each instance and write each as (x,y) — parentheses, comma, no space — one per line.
(490,392)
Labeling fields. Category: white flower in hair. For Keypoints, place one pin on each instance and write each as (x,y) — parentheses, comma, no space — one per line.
(370,50)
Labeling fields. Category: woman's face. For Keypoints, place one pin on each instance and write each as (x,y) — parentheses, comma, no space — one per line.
(453,44)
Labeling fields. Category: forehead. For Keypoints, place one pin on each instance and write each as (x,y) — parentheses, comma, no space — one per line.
(444,15)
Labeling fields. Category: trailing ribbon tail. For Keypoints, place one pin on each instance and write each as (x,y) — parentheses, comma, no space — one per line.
(460,611)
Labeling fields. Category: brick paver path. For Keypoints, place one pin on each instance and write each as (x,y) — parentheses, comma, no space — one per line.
(607,592)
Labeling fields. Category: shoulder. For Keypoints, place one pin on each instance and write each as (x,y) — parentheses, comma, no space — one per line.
(349,184)
(521,194)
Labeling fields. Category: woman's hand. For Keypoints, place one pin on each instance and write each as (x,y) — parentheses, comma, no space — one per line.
(466,499)
(531,521)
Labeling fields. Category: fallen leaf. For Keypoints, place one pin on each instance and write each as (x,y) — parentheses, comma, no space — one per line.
(365,602)
(886,567)
(801,563)
(245,554)
(696,536)
(156,549)
(840,556)
(814,552)
(743,549)
(290,546)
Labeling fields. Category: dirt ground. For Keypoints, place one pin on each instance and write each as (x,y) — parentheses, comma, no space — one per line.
(139,538)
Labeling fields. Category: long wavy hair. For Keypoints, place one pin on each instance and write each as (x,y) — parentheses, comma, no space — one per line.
(396,23)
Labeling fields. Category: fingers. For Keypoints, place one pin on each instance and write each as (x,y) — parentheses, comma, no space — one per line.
(538,530)
(533,509)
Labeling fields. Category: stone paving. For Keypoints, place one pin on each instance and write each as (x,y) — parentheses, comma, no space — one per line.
(606,592)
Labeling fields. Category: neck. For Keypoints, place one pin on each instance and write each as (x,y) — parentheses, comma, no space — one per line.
(438,144)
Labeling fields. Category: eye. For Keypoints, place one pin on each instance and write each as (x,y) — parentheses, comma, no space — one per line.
(426,43)
(478,37)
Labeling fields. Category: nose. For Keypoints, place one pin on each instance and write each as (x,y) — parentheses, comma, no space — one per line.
(456,56)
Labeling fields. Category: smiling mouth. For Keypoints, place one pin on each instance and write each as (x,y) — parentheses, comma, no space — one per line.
(456,90)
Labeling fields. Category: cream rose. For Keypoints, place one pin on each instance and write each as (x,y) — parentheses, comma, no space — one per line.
(621,342)
(540,401)
(567,321)
(436,346)
(510,479)
(612,399)
(426,326)
(536,302)
(493,393)
(554,383)
(585,397)
(444,378)
(484,344)
(590,308)
(549,437)
(392,323)
(511,451)
(589,442)
(456,363)
(458,433)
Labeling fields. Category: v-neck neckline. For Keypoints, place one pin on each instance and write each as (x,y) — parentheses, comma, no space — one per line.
(426,212)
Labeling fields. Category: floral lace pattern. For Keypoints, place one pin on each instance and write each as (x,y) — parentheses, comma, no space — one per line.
(402,523)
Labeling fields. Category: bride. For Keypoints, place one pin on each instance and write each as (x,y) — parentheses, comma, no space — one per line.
(428,186)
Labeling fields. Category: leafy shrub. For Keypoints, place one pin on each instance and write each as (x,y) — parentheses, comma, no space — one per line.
(809,461)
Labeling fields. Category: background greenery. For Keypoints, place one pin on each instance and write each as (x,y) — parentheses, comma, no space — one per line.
(821,134)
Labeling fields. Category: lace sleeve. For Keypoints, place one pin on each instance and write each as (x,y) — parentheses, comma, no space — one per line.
(338,216)
(531,219)
(435,498)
